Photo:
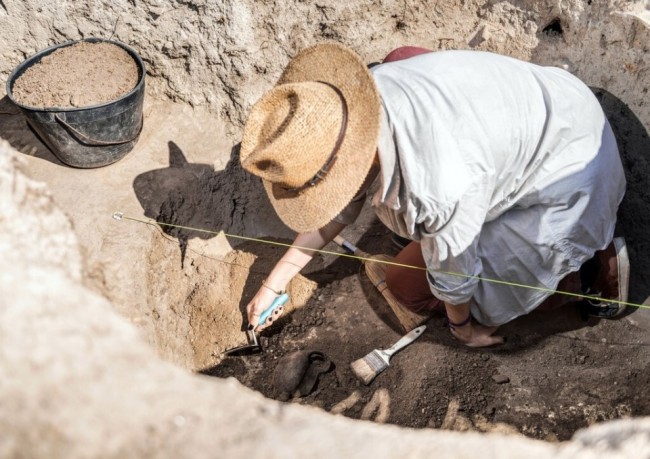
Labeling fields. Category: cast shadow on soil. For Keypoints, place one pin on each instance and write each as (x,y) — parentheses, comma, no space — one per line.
(15,130)
(199,202)
(634,212)
(196,199)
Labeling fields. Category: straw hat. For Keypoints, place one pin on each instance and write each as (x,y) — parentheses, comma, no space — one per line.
(313,137)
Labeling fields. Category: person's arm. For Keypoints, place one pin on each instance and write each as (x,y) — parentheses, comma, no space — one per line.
(294,259)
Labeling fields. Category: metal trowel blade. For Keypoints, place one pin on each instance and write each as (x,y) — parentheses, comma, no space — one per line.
(253,347)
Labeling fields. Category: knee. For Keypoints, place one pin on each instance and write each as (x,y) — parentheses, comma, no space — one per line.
(400,289)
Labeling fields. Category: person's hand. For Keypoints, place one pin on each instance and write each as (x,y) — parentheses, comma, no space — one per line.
(260,303)
(476,335)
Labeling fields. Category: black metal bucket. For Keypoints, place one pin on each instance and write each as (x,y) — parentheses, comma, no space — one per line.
(91,136)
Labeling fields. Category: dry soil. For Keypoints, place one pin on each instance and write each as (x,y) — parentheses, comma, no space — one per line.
(79,75)
(557,372)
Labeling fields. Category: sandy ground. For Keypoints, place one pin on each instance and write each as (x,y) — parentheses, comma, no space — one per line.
(80,75)
(557,373)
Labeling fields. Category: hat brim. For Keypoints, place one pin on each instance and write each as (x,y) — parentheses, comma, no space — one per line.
(314,207)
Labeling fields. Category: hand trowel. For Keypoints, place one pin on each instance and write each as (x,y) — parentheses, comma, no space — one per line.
(254,346)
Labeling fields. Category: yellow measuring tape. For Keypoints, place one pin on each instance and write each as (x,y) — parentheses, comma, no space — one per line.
(121,216)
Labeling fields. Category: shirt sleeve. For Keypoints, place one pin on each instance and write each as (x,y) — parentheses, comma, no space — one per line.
(450,248)
(454,278)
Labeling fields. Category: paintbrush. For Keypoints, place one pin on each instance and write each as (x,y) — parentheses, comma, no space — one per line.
(350,247)
(377,361)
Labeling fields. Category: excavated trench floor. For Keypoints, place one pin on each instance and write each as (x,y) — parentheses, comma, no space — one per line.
(556,373)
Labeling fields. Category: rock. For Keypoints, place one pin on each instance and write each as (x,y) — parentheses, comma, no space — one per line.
(500,379)
(481,36)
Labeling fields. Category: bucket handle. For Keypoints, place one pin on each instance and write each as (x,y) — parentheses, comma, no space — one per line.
(94,142)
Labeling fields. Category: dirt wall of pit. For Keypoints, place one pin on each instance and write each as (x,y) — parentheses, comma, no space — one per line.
(224,54)
(219,57)
(80,382)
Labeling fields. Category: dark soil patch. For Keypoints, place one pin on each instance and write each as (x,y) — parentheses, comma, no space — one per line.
(79,75)
(556,374)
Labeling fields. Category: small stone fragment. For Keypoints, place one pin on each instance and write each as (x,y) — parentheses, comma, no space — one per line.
(500,379)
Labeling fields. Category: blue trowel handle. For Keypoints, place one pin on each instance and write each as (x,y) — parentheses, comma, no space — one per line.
(279,301)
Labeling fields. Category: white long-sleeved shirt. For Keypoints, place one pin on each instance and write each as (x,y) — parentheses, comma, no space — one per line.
(503,170)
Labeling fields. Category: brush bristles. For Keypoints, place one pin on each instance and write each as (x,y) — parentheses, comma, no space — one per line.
(368,367)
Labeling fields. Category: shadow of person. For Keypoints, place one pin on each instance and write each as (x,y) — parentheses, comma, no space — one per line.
(634,212)
(198,202)
(192,200)
(15,130)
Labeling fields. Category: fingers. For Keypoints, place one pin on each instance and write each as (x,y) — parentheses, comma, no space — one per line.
(269,320)
(262,299)
(497,340)
(488,330)
(253,315)
(254,318)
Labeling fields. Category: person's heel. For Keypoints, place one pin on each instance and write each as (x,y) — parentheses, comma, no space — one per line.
(611,280)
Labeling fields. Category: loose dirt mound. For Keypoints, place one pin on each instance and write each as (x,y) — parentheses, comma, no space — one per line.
(557,373)
(79,75)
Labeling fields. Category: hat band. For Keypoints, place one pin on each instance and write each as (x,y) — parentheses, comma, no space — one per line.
(322,172)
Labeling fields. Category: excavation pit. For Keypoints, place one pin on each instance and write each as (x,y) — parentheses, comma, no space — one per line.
(556,374)
(184,287)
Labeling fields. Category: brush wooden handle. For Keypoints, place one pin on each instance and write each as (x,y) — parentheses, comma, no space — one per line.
(350,247)
(405,340)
